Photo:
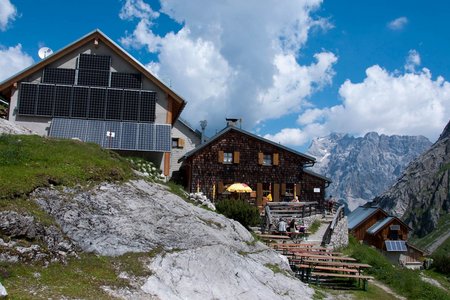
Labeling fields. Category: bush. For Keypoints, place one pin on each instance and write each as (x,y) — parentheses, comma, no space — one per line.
(441,263)
(239,210)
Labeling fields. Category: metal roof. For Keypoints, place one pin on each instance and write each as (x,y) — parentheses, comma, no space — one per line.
(358,215)
(317,175)
(229,128)
(378,225)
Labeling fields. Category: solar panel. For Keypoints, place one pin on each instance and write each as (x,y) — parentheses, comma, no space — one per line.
(80,102)
(97,102)
(45,100)
(59,76)
(130,105)
(114,104)
(94,62)
(115,135)
(147,112)
(93,78)
(126,80)
(129,136)
(27,99)
(395,246)
(63,99)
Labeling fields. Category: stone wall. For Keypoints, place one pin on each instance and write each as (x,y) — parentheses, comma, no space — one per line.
(339,238)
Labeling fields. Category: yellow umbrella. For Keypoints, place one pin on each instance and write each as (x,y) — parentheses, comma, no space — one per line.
(239,188)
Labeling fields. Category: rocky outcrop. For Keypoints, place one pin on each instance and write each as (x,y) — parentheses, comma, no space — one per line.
(25,239)
(205,255)
(422,194)
(6,127)
(361,168)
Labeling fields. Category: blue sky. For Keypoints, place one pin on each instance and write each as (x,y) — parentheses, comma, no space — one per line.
(292,70)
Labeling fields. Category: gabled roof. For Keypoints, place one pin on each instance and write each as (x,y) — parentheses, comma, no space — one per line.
(6,85)
(361,214)
(189,126)
(230,128)
(317,175)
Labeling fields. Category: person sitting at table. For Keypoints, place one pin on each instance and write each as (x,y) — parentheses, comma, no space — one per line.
(282,226)
(293,226)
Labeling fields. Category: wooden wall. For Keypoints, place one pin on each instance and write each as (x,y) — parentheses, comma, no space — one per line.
(207,168)
(360,231)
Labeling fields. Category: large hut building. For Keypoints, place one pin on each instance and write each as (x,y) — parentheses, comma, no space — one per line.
(237,156)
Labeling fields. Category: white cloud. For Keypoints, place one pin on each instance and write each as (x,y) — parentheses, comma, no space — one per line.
(238,59)
(412,61)
(137,9)
(8,13)
(13,60)
(398,23)
(405,104)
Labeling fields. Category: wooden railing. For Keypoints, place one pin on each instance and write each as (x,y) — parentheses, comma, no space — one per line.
(292,209)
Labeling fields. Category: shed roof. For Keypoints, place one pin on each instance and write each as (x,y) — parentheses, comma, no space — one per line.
(7,84)
(317,175)
(379,225)
(359,215)
(230,128)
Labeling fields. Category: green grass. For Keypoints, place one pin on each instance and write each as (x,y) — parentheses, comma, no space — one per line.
(441,228)
(373,293)
(81,278)
(405,282)
(177,190)
(314,226)
(29,161)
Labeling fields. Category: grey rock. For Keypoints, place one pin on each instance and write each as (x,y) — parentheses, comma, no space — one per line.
(3,292)
(361,168)
(205,256)
(422,194)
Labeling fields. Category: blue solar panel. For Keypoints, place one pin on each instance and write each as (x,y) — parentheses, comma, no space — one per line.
(395,246)
(114,134)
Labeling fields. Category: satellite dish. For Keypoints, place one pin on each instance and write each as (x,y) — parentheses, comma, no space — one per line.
(44,52)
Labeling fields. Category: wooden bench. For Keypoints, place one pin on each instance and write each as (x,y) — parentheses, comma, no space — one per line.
(336,263)
(364,278)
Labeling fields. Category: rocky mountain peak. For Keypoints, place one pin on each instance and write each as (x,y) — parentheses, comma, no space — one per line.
(363,167)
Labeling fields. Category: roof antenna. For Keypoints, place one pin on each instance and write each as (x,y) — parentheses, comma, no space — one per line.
(203,124)
(44,52)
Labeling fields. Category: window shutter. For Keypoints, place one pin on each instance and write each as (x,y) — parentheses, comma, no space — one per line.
(220,158)
(220,187)
(297,191)
(275,159)
(260,158)
(276,192)
(180,143)
(283,189)
(236,157)
(259,191)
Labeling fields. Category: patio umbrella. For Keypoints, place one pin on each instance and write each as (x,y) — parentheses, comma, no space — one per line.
(239,188)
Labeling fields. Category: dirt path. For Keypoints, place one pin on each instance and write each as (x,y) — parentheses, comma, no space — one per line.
(438,242)
(387,289)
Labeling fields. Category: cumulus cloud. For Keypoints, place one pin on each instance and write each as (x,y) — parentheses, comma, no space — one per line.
(13,60)
(398,23)
(412,61)
(388,103)
(239,55)
(8,13)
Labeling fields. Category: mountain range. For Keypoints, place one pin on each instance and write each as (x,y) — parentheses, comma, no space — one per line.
(363,167)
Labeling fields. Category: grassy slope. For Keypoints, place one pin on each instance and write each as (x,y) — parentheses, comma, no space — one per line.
(442,228)
(28,162)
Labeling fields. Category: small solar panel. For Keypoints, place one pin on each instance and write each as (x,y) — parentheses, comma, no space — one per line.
(130,105)
(59,76)
(97,102)
(163,140)
(395,246)
(126,80)
(80,102)
(94,62)
(45,101)
(146,137)
(95,130)
(129,136)
(93,78)
(147,112)
(113,135)
(27,99)
(63,99)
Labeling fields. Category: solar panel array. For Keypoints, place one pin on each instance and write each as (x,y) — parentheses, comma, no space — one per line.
(101,103)
(94,62)
(115,135)
(93,78)
(126,80)
(59,76)
(395,246)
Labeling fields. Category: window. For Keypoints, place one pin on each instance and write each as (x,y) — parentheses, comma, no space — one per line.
(267,160)
(177,143)
(227,157)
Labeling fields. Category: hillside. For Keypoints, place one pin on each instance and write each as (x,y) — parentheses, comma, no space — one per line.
(363,167)
(103,232)
(421,196)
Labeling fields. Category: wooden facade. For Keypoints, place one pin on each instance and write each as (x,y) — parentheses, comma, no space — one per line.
(235,155)
(386,232)
(360,230)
